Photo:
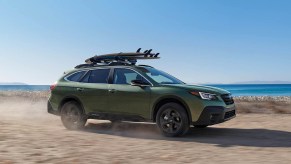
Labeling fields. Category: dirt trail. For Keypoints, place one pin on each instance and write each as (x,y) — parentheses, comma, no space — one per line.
(29,135)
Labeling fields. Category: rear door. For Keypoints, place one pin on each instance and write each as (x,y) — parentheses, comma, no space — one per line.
(127,99)
(93,90)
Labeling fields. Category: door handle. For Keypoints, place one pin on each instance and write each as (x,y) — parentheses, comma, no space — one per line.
(80,89)
(111,90)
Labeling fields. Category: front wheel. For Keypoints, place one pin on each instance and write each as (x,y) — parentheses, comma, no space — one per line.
(172,120)
(72,116)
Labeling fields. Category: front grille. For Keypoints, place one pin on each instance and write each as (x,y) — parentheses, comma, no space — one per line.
(229,114)
(227,98)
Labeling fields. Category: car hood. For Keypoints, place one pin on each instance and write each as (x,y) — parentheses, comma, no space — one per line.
(199,88)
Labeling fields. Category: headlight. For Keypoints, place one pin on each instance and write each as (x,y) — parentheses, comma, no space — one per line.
(205,96)
(208,96)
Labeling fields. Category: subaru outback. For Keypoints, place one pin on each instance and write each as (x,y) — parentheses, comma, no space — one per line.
(112,87)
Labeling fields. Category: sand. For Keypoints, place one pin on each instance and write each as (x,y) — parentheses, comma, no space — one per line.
(29,135)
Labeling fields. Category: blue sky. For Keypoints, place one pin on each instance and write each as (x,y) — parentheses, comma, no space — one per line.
(214,41)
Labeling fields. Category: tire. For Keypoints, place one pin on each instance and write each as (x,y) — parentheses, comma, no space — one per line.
(200,126)
(72,116)
(172,120)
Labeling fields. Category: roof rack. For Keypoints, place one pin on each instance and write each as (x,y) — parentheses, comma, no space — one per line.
(143,65)
(122,58)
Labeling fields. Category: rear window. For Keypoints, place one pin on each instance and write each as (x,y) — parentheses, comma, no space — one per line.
(96,76)
(75,76)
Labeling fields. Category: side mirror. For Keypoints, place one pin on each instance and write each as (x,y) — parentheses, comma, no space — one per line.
(139,83)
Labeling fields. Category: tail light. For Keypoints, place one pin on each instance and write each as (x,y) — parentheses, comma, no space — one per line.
(53,86)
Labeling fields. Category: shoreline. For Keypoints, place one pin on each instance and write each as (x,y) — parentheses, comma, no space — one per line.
(237,98)
(244,104)
(263,98)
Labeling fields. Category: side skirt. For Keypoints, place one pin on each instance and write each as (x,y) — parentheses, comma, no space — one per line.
(119,117)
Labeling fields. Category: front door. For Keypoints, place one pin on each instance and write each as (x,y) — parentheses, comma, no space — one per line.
(127,99)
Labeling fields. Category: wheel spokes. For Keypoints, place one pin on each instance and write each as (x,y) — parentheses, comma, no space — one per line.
(170,120)
(71,115)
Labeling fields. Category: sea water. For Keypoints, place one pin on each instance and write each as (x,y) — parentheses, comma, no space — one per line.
(235,89)
(257,89)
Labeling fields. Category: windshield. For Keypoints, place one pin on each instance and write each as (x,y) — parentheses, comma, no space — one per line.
(160,76)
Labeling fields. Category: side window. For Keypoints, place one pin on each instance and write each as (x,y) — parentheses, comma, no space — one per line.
(76,76)
(161,79)
(96,76)
(85,79)
(125,76)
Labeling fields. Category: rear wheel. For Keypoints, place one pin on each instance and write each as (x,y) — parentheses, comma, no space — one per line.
(72,116)
(172,120)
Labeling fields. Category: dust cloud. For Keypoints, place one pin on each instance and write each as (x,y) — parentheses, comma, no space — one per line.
(28,134)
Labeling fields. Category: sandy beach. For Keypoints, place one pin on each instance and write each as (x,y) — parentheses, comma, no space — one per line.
(261,133)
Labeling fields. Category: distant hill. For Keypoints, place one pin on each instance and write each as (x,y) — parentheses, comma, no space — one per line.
(12,83)
(264,82)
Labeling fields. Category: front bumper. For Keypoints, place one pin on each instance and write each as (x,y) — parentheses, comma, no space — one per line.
(214,115)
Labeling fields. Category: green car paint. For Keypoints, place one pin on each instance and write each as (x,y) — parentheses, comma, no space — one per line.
(141,102)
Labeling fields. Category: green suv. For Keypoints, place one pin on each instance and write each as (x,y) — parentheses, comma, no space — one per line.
(112,87)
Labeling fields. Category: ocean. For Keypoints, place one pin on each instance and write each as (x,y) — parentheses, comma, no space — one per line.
(235,89)
(257,89)
(24,87)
